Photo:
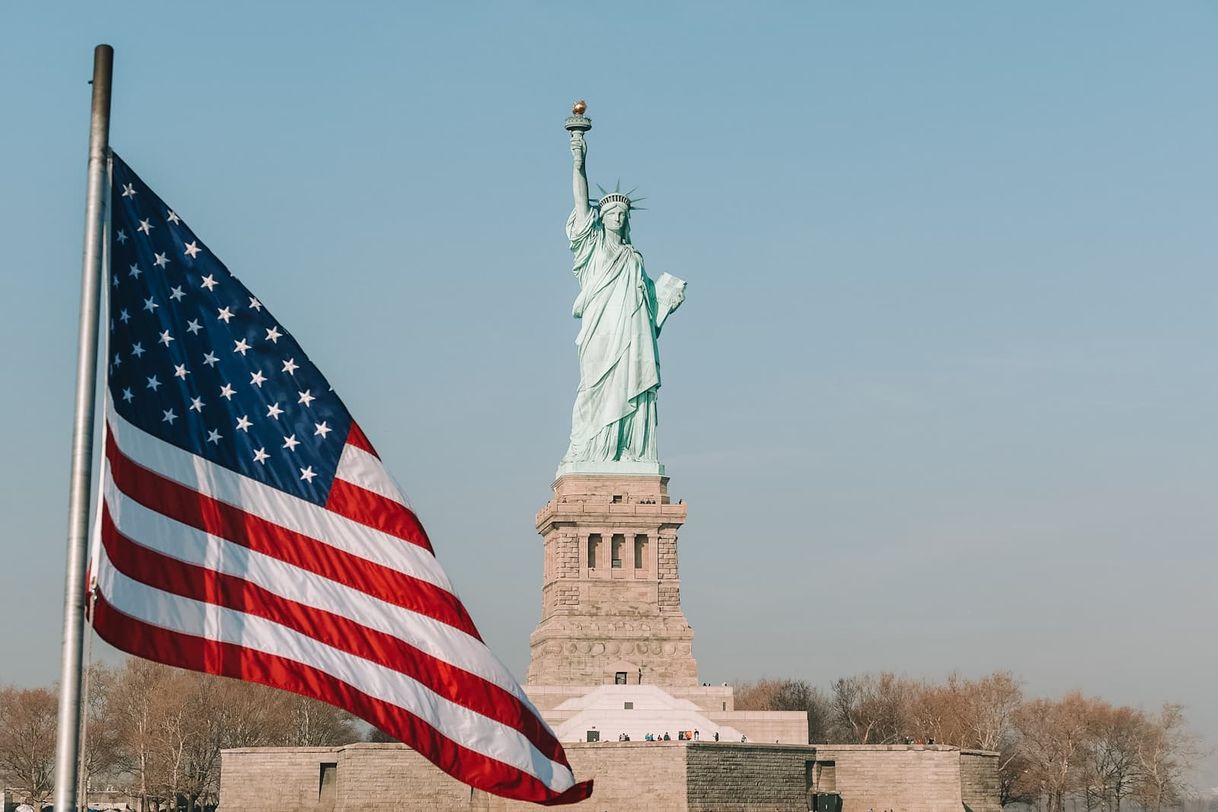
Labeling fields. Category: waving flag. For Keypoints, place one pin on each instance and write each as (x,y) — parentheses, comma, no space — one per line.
(249,529)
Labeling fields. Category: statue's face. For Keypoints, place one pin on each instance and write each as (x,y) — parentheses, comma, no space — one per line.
(614,218)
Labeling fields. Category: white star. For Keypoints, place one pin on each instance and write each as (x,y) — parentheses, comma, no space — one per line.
(243,423)
(322,430)
(121,237)
(306,398)
(255,304)
(137,349)
(227,392)
(307,474)
(260,455)
(150,305)
(257,378)
(128,395)
(114,280)
(193,326)
(165,338)
(180,371)
(209,282)
(135,271)
(173,217)
(144,226)
(225,315)
(273,334)
(153,383)
(176,293)
(169,416)
(210,359)
(161,261)
(274,411)
(290,442)
(213,436)
(242,346)
(290,366)
(129,190)
(124,316)
(192,249)
(196,404)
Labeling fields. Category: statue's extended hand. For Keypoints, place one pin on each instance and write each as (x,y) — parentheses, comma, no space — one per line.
(579,148)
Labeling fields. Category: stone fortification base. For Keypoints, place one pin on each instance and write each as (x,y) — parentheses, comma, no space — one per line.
(630,776)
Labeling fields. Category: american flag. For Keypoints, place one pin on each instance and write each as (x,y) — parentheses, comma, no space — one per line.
(249,529)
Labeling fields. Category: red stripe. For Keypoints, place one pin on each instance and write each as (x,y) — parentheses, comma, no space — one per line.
(218,518)
(169,574)
(225,659)
(378,512)
(357,438)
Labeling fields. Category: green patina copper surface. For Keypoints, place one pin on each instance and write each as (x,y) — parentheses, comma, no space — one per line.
(621,310)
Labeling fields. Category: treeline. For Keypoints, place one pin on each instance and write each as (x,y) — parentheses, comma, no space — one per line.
(155,732)
(1074,748)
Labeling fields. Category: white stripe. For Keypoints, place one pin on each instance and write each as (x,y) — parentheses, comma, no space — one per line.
(188,544)
(272,504)
(360,468)
(462,725)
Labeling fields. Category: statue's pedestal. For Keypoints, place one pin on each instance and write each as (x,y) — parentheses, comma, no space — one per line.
(611,469)
(611,597)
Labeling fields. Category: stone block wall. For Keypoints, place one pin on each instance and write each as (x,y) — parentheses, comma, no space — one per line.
(384,777)
(629,776)
(653,776)
(748,777)
(766,727)
(979,786)
(905,778)
(270,779)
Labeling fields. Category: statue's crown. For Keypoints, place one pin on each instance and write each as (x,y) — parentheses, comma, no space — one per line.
(618,196)
(615,197)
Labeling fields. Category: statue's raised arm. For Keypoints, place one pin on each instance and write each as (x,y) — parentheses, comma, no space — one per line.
(579,179)
(579,175)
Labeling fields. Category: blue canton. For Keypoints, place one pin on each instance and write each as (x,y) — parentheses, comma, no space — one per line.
(198,361)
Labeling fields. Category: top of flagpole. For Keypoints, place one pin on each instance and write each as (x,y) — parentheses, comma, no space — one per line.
(67,747)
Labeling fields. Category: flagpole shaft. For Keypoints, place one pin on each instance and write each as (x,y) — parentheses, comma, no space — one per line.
(67,743)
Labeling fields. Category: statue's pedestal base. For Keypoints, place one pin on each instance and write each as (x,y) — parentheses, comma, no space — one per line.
(611,597)
(610,469)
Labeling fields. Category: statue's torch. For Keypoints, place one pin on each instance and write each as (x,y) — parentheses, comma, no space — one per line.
(577,122)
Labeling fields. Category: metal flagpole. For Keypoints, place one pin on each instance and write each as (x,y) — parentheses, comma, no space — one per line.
(67,743)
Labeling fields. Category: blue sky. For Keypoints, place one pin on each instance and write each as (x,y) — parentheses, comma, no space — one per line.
(941,396)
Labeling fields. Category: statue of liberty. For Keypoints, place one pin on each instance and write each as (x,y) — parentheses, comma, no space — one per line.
(621,311)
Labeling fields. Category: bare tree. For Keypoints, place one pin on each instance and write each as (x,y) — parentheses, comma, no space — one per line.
(788,695)
(135,705)
(172,725)
(1110,753)
(101,747)
(872,709)
(1166,752)
(27,741)
(993,701)
(1053,734)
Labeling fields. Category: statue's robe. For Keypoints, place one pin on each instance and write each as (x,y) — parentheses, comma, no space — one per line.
(619,365)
